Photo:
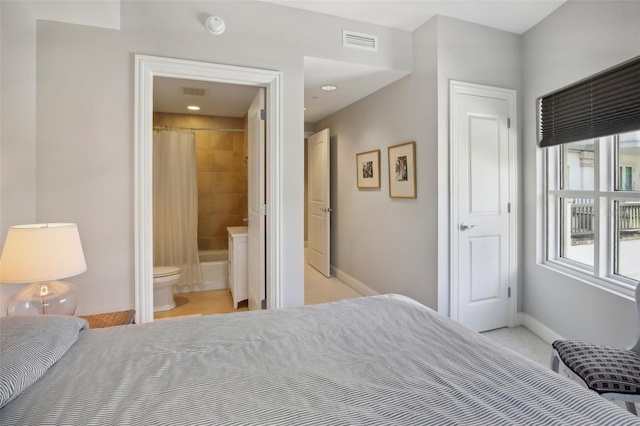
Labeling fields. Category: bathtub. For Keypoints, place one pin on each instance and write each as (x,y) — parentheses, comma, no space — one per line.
(215,269)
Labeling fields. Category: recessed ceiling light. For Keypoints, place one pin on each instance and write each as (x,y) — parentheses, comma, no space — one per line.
(328,87)
(193,107)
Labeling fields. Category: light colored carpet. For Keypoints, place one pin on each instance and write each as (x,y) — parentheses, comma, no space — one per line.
(521,340)
(320,289)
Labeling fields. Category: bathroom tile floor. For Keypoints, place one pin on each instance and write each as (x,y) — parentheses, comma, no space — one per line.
(203,303)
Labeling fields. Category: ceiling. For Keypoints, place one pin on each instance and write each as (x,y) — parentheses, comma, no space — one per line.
(354,81)
(516,16)
(218,99)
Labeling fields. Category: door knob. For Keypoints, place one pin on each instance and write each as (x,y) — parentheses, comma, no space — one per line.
(328,209)
(465,227)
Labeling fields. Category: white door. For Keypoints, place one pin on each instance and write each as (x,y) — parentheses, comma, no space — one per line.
(256,202)
(319,208)
(481,220)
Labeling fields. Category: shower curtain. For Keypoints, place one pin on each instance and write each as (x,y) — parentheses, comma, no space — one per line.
(175,204)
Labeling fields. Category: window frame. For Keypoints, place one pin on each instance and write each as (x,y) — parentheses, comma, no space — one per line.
(604,194)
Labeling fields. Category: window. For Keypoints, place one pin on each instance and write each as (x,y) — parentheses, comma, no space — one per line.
(626,178)
(593,207)
(590,131)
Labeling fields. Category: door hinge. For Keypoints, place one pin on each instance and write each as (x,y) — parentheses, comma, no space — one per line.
(263,210)
(508,123)
(508,207)
(263,114)
(509,292)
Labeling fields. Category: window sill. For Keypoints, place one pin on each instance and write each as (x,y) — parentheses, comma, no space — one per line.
(620,287)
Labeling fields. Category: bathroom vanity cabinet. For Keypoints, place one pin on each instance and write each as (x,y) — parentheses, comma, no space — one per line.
(238,264)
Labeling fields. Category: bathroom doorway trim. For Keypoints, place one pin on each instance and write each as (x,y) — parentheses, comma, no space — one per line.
(148,67)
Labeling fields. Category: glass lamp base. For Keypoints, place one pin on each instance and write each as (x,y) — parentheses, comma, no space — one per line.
(48,297)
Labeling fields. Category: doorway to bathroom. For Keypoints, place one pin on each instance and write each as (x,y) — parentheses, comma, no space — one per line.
(200,192)
(150,72)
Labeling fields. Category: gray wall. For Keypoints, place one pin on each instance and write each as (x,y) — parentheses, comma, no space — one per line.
(578,40)
(474,54)
(73,160)
(395,245)
(18,100)
(18,132)
(80,157)
(382,242)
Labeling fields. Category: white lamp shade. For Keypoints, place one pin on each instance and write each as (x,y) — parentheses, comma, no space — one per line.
(41,252)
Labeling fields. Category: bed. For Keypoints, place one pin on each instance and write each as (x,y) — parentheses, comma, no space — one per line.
(381,360)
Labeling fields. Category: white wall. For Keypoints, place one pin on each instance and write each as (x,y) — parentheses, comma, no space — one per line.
(84,144)
(578,40)
(402,246)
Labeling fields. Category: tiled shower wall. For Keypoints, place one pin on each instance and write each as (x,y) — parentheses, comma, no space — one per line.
(222,173)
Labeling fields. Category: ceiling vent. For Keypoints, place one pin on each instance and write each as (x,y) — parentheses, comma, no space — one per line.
(194,91)
(359,41)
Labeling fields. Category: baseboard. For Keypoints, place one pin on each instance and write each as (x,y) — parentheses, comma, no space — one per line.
(178,316)
(352,282)
(538,328)
(217,284)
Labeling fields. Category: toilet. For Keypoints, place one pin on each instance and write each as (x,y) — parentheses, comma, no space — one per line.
(164,279)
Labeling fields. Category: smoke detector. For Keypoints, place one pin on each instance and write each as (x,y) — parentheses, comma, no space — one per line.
(215,25)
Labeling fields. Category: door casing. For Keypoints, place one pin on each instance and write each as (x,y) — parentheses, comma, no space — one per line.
(148,67)
(456,88)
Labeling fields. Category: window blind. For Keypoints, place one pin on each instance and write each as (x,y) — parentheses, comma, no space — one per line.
(604,104)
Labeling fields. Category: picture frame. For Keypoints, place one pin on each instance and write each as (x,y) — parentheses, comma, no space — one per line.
(402,170)
(368,169)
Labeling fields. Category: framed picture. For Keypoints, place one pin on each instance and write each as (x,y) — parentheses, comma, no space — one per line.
(402,170)
(368,169)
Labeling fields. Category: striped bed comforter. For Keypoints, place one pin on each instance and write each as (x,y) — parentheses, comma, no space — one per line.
(383,360)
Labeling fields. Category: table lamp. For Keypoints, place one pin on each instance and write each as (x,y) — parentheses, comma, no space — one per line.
(42,253)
